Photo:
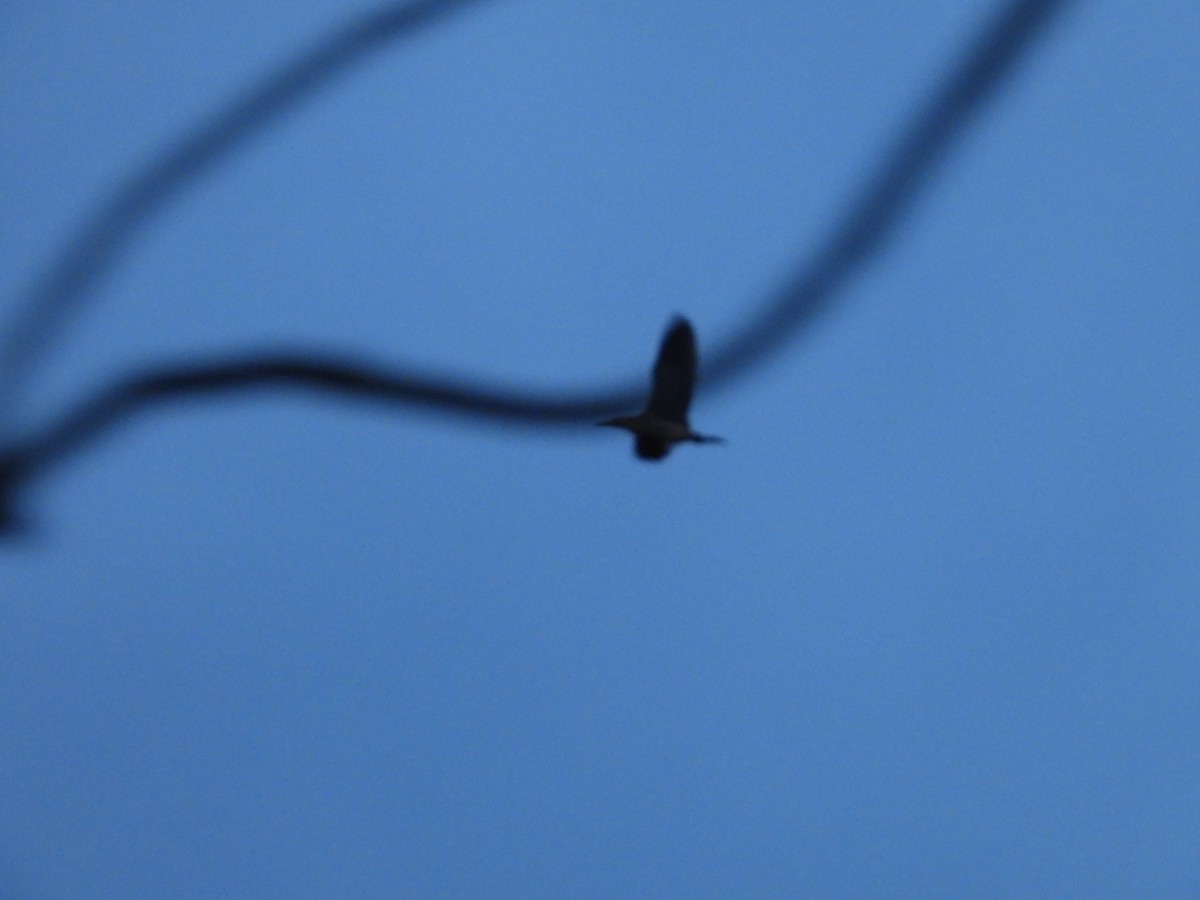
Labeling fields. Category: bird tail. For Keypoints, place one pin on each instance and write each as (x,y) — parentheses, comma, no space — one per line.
(707,439)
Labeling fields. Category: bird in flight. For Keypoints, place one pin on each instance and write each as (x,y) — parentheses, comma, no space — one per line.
(664,423)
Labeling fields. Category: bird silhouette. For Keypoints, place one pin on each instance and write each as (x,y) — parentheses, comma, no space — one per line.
(664,421)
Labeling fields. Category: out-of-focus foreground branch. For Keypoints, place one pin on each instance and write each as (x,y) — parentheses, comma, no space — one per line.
(872,217)
(94,247)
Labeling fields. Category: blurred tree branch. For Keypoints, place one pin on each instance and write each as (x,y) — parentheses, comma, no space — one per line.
(872,217)
(96,246)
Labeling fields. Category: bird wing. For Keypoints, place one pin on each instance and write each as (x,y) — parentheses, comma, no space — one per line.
(674,373)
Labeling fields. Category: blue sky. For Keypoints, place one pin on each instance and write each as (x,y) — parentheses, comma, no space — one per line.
(925,626)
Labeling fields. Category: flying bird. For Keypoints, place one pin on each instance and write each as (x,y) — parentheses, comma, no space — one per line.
(664,422)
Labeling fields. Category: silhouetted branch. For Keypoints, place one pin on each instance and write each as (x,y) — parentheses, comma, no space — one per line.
(310,371)
(871,219)
(96,245)
(137,393)
(874,214)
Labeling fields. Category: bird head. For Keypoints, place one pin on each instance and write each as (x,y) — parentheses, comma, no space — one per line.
(618,422)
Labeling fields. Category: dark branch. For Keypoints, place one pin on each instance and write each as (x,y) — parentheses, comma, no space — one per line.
(97,244)
(872,216)
(871,219)
(309,371)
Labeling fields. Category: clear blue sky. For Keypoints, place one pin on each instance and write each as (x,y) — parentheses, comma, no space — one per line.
(926,627)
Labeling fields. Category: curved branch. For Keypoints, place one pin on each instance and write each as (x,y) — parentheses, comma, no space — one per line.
(138,392)
(97,244)
(887,196)
(308,371)
(871,218)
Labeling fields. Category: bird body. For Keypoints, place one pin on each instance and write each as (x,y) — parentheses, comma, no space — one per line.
(664,421)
